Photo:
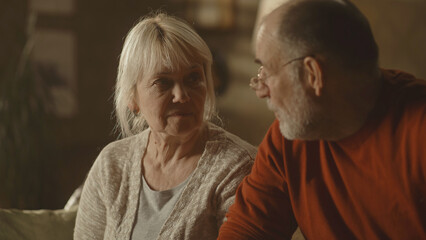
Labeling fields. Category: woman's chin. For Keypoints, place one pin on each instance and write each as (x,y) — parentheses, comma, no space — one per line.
(183,126)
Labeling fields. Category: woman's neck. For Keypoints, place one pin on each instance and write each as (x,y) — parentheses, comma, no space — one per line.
(165,149)
(168,161)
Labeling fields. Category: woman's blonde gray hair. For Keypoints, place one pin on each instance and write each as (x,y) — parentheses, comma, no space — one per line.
(157,41)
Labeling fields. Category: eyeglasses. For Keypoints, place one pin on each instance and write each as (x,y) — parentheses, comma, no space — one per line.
(255,82)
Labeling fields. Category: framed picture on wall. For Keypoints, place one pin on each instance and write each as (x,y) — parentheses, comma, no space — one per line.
(54,59)
(54,53)
(211,14)
(58,7)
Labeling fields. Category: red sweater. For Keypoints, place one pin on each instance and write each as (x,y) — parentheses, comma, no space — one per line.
(370,185)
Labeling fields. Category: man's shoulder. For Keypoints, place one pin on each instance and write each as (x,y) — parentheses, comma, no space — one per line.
(405,84)
(404,93)
(405,101)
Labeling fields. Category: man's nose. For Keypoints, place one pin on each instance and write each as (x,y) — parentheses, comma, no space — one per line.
(180,94)
(262,91)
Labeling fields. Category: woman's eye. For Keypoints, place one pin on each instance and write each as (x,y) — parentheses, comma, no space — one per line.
(194,77)
(162,83)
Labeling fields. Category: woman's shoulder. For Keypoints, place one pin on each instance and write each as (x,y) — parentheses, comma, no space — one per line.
(224,143)
(125,144)
(119,153)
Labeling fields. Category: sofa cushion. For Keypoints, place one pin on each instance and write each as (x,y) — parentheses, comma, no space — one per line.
(37,224)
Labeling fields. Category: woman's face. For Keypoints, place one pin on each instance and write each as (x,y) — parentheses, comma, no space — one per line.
(173,102)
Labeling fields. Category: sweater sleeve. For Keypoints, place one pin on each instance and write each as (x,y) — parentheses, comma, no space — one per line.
(262,208)
(230,183)
(91,215)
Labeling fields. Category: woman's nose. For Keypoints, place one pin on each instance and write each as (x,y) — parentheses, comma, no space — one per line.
(180,94)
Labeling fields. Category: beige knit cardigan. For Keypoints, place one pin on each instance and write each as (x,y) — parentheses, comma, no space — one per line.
(110,196)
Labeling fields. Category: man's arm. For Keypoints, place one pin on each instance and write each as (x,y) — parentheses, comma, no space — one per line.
(262,208)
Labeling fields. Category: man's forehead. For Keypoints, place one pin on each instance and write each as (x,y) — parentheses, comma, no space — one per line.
(269,26)
(267,44)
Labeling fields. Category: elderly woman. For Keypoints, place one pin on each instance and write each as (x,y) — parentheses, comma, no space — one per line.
(175,174)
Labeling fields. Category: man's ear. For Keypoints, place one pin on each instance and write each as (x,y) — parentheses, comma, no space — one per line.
(314,74)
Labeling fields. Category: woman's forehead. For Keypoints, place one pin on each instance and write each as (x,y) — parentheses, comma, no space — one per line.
(161,69)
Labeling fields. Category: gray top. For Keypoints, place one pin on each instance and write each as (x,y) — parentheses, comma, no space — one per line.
(153,210)
(110,196)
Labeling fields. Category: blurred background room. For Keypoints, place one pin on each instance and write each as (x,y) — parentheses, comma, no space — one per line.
(58,63)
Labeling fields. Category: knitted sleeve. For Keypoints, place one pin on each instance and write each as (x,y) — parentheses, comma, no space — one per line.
(228,186)
(91,215)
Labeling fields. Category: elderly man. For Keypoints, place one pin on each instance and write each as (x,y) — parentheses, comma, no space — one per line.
(346,157)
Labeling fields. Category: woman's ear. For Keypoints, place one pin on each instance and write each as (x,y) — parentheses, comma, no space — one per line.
(315,74)
(133,106)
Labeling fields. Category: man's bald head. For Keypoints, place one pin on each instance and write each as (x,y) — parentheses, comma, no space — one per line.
(334,29)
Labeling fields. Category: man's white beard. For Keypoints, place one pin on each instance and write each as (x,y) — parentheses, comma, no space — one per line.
(295,121)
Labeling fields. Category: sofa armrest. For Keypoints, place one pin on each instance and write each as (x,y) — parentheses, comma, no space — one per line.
(37,224)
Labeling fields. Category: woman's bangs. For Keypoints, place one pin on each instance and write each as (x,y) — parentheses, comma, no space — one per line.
(178,56)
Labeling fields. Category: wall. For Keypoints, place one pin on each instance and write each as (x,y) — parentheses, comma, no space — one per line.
(400,32)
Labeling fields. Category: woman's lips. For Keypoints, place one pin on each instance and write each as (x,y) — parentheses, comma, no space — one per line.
(180,114)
